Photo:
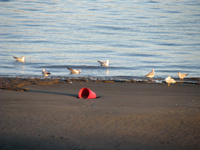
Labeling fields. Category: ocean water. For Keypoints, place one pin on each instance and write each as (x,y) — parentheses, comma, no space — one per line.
(135,35)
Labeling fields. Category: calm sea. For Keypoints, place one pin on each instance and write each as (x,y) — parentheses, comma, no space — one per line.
(135,35)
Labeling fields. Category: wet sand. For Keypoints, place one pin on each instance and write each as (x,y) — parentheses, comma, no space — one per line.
(37,114)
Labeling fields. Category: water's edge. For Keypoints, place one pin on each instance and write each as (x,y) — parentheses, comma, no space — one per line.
(109,79)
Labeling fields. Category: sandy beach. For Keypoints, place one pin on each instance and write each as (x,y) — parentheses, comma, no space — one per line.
(126,115)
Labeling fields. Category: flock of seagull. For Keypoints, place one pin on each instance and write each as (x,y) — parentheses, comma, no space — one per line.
(75,71)
(167,79)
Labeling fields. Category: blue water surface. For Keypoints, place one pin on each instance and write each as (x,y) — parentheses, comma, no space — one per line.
(136,36)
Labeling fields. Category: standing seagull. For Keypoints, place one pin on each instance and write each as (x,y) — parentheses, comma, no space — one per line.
(169,80)
(74,71)
(19,59)
(183,75)
(104,63)
(151,74)
(45,73)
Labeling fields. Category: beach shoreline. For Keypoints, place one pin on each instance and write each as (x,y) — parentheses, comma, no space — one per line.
(15,83)
(47,114)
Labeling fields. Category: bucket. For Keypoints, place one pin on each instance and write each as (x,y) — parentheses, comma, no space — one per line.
(86,93)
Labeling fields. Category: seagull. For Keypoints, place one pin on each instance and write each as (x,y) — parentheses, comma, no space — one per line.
(169,80)
(182,75)
(45,73)
(74,71)
(150,74)
(104,63)
(19,59)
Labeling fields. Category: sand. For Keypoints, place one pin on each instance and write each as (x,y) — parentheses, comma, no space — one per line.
(125,116)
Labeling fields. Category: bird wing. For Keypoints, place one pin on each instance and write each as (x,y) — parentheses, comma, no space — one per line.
(172,81)
(48,73)
(15,57)
(150,74)
(100,62)
(73,71)
(70,69)
(184,74)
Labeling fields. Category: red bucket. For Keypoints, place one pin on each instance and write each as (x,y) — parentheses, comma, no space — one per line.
(86,93)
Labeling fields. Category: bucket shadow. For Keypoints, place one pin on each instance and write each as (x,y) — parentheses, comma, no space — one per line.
(57,93)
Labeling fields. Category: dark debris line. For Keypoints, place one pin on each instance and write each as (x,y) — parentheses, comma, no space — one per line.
(17,83)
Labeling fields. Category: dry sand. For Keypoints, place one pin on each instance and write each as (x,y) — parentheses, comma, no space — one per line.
(125,116)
